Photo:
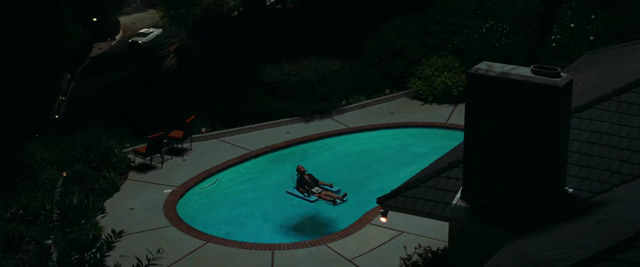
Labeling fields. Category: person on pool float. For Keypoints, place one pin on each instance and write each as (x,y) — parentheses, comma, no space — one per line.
(307,184)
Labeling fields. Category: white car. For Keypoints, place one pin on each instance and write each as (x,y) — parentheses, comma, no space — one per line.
(145,35)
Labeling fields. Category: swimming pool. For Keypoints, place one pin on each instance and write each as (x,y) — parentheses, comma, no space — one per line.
(246,200)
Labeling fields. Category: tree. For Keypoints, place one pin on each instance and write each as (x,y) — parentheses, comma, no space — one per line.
(47,40)
(400,44)
(509,32)
(193,15)
(582,26)
(304,86)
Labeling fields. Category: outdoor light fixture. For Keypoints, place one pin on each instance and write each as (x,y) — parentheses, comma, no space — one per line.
(95,19)
(383,215)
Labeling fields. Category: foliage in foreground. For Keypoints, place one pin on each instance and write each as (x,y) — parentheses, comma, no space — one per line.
(149,260)
(425,256)
(582,26)
(52,217)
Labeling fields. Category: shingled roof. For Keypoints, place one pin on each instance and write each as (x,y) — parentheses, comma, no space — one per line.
(604,154)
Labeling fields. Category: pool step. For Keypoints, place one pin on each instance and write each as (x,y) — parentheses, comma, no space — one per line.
(210,185)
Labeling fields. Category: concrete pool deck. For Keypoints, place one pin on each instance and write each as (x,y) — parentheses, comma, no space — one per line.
(138,207)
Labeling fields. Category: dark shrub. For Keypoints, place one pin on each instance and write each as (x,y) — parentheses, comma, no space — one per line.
(439,79)
(425,256)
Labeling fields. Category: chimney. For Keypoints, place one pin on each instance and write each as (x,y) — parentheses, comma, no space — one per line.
(516,138)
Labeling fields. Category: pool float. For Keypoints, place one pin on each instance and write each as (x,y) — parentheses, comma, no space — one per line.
(311,199)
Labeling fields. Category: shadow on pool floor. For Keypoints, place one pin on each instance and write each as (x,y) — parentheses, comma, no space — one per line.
(312,226)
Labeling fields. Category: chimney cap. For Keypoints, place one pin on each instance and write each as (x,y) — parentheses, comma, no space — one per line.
(546,71)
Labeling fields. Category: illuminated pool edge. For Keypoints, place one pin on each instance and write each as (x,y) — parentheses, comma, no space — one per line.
(171,202)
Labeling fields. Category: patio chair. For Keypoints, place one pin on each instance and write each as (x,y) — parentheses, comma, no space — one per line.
(180,136)
(154,146)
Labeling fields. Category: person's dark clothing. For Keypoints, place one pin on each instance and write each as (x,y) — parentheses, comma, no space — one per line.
(305,184)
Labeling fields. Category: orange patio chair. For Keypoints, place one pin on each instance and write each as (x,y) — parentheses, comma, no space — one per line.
(180,135)
(154,146)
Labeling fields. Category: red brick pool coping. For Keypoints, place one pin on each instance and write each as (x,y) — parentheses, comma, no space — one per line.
(171,201)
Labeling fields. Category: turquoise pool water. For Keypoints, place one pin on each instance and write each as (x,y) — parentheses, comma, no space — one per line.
(248,202)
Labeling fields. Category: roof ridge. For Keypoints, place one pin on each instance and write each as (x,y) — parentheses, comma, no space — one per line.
(602,255)
(418,179)
(605,97)
(612,47)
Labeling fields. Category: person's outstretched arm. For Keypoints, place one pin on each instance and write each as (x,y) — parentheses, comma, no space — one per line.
(327,184)
(320,182)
